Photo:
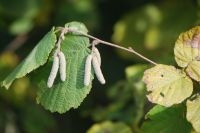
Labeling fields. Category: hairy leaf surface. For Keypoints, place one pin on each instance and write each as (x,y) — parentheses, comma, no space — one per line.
(70,93)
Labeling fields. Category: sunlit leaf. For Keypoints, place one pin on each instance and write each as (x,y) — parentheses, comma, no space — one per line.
(193,112)
(166,120)
(109,127)
(35,59)
(69,94)
(167,85)
(187,52)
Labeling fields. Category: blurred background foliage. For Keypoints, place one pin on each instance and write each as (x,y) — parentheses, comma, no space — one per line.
(148,26)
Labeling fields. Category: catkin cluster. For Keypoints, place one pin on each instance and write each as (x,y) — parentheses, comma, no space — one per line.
(93,60)
(59,62)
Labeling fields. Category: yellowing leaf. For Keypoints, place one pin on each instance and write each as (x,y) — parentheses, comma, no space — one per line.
(193,113)
(193,70)
(167,85)
(194,132)
(187,52)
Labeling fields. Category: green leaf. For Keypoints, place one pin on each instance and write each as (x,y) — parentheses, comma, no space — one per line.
(134,75)
(78,26)
(187,52)
(69,94)
(167,85)
(39,121)
(110,127)
(35,59)
(166,120)
(127,99)
(193,112)
(135,71)
(21,26)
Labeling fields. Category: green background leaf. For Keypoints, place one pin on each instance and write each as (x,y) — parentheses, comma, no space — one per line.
(193,112)
(35,59)
(109,127)
(167,85)
(149,29)
(186,55)
(127,99)
(30,121)
(69,94)
(166,120)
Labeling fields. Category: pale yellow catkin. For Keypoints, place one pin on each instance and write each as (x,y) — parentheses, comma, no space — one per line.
(62,68)
(54,71)
(88,64)
(97,70)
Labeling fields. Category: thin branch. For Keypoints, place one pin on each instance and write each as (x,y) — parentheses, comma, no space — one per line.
(60,39)
(131,50)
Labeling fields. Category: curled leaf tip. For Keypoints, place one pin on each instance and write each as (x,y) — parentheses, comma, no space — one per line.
(187,52)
